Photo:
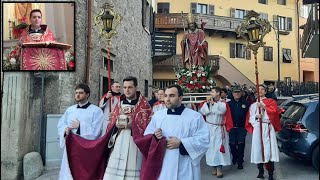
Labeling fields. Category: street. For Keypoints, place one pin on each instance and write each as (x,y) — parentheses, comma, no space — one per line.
(286,169)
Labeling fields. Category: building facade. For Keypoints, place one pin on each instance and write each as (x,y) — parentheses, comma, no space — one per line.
(226,51)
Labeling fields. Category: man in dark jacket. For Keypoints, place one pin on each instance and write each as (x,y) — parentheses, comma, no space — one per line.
(237,135)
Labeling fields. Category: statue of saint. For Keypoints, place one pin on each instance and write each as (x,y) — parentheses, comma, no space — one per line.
(194,45)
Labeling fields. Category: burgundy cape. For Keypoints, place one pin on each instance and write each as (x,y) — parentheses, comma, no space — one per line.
(273,114)
(88,158)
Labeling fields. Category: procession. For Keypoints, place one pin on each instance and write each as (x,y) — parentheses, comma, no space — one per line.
(84,108)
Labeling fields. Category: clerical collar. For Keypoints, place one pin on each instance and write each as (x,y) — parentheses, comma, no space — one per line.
(176,111)
(115,94)
(130,102)
(84,106)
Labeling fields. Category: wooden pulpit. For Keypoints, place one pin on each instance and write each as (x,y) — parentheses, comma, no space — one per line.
(48,55)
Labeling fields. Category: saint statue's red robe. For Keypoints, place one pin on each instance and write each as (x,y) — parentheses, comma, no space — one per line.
(88,158)
(195,50)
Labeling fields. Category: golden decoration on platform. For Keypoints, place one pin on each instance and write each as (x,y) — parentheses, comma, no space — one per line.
(43,59)
(107,20)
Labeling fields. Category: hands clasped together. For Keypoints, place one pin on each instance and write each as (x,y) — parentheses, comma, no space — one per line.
(73,125)
(172,142)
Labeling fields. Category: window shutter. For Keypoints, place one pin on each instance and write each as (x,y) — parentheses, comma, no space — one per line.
(232,50)
(289,24)
(193,8)
(275,21)
(211,10)
(265,53)
(232,12)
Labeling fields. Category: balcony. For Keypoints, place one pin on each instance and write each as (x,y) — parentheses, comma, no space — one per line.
(310,36)
(175,62)
(174,21)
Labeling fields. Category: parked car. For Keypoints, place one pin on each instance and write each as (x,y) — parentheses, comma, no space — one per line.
(287,103)
(299,136)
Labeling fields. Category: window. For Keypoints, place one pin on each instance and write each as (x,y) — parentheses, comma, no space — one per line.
(283,23)
(282,2)
(146,85)
(239,13)
(264,16)
(202,9)
(268,53)
(305,10)
(263,1)
(163,8)
(238,50)
(286,55)
(105,64)
(105,85)
(147,16)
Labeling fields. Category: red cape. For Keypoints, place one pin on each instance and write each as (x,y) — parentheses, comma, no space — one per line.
(88,158)
(228,118)
(273,114)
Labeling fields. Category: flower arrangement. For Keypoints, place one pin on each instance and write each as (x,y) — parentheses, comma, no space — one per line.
(69,56)
(18,29)
(196,80)
(10,60)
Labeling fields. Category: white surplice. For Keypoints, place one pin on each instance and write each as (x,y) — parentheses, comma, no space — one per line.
(125,159)
(106,108)
(91,120)
(271,152)
(191,129)
(215,115)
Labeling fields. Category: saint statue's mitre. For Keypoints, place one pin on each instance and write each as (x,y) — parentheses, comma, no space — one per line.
(191,18)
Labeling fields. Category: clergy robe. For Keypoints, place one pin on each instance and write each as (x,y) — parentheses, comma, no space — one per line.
(125,159)
(190,128)
(104,105)
(270,124)
(91,119)
(92,167)
(158,106)
(219,121)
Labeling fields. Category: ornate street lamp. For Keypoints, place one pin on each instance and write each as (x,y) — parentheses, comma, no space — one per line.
(253,30)
(107,21)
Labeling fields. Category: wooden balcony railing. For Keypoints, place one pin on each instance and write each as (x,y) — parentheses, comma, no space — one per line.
(174,21)
(175,62)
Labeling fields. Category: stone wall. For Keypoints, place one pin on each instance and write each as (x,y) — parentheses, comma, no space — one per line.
(22,91)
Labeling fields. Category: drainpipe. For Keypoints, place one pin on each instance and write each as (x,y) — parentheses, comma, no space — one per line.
(88,43)
(41,134)
(298,29)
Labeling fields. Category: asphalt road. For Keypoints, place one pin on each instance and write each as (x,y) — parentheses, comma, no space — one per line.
(286,169)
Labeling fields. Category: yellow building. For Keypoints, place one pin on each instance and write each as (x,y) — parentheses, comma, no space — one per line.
(226,52)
